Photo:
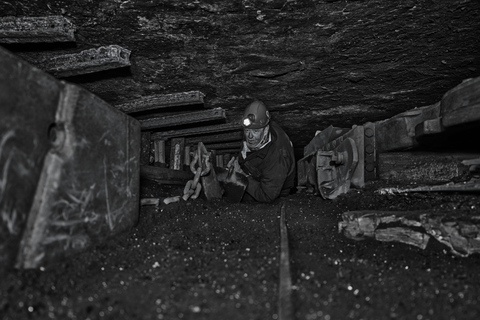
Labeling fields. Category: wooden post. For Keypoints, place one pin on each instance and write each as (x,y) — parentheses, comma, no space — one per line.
(145,149)
(220,161)
(159,146)
(161,152)
(187,156)
(177,150)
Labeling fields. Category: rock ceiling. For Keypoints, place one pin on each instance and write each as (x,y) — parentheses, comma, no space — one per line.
(314,63)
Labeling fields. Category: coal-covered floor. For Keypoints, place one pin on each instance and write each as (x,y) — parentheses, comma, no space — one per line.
(219,260)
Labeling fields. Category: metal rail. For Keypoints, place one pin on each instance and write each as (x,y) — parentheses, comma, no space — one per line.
(285,309)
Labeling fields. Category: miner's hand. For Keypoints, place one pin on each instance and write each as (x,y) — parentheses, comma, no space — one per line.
(236,166)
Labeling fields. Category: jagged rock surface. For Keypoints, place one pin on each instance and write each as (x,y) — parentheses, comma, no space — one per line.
(315,63)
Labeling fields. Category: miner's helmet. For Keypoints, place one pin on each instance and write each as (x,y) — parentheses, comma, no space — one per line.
(256,116)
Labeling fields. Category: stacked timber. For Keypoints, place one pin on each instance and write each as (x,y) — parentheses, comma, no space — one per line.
(171,134)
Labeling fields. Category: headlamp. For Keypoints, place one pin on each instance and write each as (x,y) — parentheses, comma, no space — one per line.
(248,121)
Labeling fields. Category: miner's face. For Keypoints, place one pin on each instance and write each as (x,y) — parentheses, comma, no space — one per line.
(253,136)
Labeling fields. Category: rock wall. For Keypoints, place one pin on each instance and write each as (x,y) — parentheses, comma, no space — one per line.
(314,63)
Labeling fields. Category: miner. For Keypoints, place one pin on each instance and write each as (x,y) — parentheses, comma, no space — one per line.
(266,157)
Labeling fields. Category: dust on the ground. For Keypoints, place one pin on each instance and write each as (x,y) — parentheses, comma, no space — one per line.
(219,260)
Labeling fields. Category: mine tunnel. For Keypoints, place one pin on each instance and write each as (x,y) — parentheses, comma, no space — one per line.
(138,138)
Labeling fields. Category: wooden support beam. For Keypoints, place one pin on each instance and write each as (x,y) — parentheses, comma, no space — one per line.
(215,138)
(232,126)
(177,150)
(225,151)
(36,29)
(187,158)
(183,119)
(161,101)
(87,61)
(145,149)
(227,145)
(165,175)
(219,158)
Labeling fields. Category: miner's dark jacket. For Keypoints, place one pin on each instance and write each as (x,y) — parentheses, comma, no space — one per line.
(272,168)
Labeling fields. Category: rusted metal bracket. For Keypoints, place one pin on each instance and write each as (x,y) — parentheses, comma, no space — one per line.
(317,170)
(87,61)
(36,29)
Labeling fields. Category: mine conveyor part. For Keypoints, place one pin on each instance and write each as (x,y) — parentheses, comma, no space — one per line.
(69,167)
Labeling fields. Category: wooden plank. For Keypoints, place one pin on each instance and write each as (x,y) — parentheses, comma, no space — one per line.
(36,29)
(226,145)
(160,101)
(159,146)
(225,151)
(232,126)
(183,119)
(87,61)
(215,138)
